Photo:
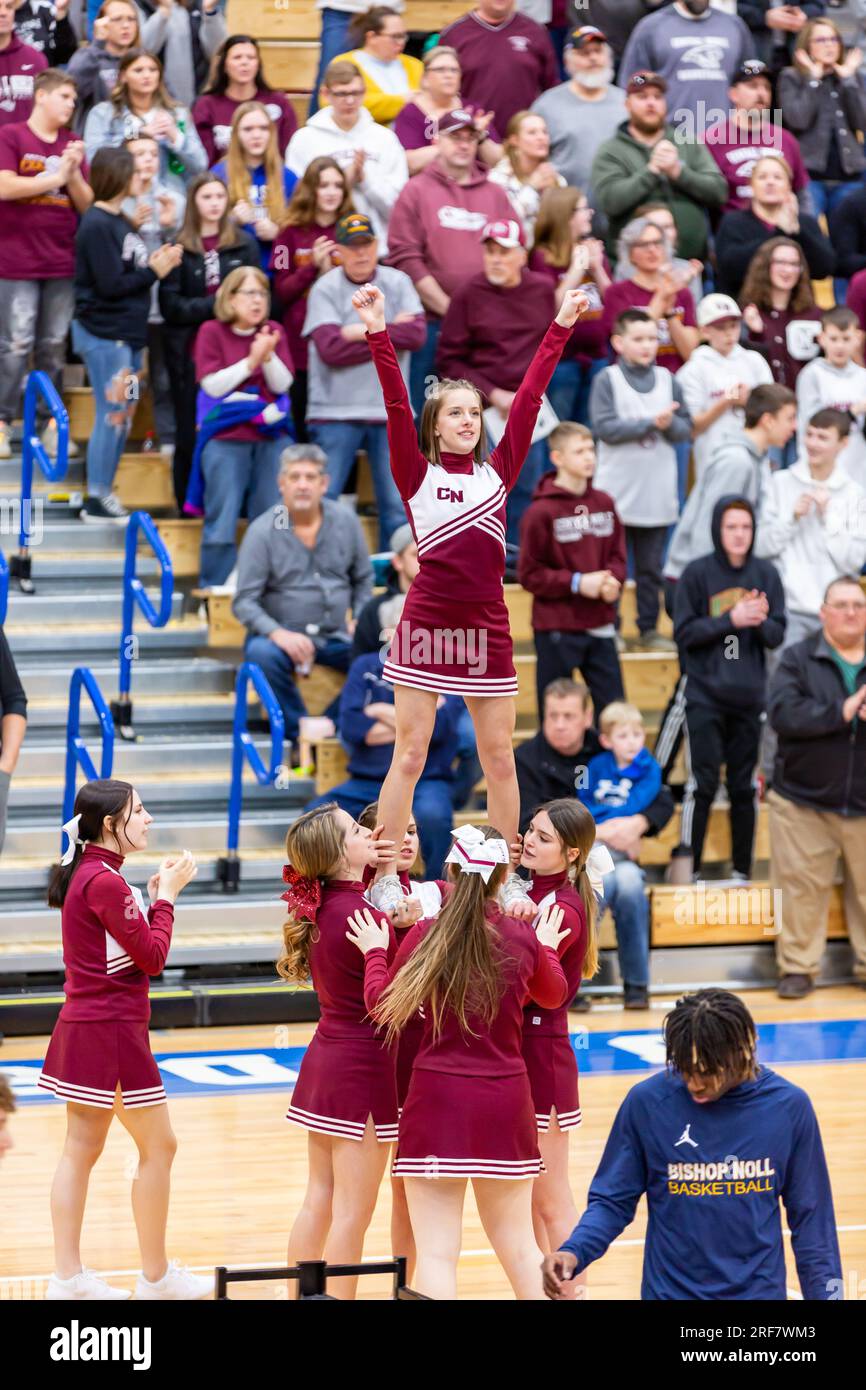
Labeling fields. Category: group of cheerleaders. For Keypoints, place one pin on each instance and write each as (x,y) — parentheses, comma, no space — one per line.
(443,1004)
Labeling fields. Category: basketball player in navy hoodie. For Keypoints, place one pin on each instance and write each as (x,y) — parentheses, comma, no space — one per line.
(715,1141)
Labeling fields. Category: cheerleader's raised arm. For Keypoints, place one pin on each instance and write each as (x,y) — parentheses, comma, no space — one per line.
(408,464)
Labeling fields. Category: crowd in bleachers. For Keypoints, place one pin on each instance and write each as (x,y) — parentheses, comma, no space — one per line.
(693,168)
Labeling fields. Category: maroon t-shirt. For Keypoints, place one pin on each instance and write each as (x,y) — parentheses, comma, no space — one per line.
(505,66)
(218,345)
(213,120)
(37,235)
(737,159)
(588,341)
(625,294)
(20,65)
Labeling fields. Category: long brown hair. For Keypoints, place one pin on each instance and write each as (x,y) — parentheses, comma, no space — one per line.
(458,967)
(553,236)
(756,286)
(105,797)
(189,236)
(302,208)
(239,175)
(433,404)
(575,830)
(218,79)
(314,846)
(120,95)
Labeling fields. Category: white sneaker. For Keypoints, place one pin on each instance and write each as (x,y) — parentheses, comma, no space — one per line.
(5,440)
(83,1286)
(49,441)
(177,1283)
(386,893)
(513,891)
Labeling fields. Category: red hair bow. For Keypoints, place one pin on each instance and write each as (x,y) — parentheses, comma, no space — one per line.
(304,895)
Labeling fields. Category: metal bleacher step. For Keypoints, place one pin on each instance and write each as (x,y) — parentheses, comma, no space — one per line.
(55,572)
(103,606)
(64,535)
(155,711)
(24,877)
(87,641)
(202,834)
(203,675)
(133,760)
(168,786)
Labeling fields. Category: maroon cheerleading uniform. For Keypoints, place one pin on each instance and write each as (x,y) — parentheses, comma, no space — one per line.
(111,945)
(347,1072)
(453,635)
(411,1035)
(547,1050)
(469,1111)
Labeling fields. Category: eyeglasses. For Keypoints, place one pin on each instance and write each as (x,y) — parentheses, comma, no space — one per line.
(354,94)
(644,245)
(400,37)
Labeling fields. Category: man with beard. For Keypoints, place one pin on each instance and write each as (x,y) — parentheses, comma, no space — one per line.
(585,110)
(698,50)
(646,161)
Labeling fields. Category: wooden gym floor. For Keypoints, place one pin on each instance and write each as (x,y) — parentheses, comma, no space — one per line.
(240,1170)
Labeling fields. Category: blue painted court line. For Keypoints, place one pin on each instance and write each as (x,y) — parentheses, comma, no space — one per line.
(626,1052)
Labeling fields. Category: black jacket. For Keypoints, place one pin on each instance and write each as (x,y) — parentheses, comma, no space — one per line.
(725,665)
(820,760)
(112,278)
(771,43)
(35,25)
(543,775)
(200,62)
(12,697)
(848,233)
(183,300)
(740,235)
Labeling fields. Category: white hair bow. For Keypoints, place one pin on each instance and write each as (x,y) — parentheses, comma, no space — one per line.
(71,829)
(474,854)
(599,862)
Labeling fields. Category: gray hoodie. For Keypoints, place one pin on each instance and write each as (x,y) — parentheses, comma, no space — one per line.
(735,467)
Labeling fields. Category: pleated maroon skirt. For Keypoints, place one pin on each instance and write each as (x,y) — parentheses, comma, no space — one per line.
(456,1126)
(86,1061)
(343,1081)
(552,1068)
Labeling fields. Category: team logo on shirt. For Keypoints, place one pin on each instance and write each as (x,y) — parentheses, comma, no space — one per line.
(460,219)
(273,110)
(685,1138)
(582,523)
(134,250)
(701,60)
(519,42)
(222,134)
(732,1177)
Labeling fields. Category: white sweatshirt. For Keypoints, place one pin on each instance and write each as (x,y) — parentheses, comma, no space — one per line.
(820,385)
(385,167)
(811,550)
(705,379)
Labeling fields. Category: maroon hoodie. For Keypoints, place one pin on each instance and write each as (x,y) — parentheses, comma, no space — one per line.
(565,533)
(482,318)
(20,65)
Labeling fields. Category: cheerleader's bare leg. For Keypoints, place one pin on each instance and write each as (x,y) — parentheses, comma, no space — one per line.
(415,714)
(150,1128)
(494,719)
(436,1210)
(505,1208)
(554,1215)
(86,1129)
(313,1221)
(402,1238)
(358,1171)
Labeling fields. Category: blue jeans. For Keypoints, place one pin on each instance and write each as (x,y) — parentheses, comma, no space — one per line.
(234,469)
(334,40)
(279,669)
(468,768)
(341,440)
(537,462)
(826,197)
(422,366)
(624,895)
(104,359)
(431,807)
(569,388)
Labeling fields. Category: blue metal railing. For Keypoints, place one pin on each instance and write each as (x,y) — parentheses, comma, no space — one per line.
(4,587)
(134,593)
(33,451)
(244,748)
(76,750)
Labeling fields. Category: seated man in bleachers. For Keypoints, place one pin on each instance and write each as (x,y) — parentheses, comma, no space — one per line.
(301,567)
(367,728)
(553,764)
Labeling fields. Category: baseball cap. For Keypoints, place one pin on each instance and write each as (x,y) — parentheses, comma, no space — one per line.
(455,120)
(749,70)
(639,81)
(587,33)
(715,307)
(353,227)
(401,538)
(506,233)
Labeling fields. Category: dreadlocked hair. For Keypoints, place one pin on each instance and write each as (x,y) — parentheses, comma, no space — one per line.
(314,846)
(458,966)
(710,1031)
(575,829)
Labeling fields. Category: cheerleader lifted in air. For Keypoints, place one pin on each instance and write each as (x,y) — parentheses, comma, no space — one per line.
(453,637)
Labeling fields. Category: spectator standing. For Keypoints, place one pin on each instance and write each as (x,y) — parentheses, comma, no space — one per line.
(837,381)
(213,245)
(303,250)
(114,275)
(241,361)
(572,258)
(847,223)
(719,377)
(20,65)
(506,303)
(637,407)
(298,581)
(237,76)
(506,58)
(697,49)
(337,16)
(818,802)
(435,230)
(648,161)
(95,65)
(345,411)
(140,105)
(823,100)
(656,288)
(525,170)
(43,188)
(572,560)
(775,27)
(13,726)
(437,97)
(747,133)
(258,182)
(44,25)
(729,611)
(584,111)
(184,35)
(390,77)
(371,155)
(774,212)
